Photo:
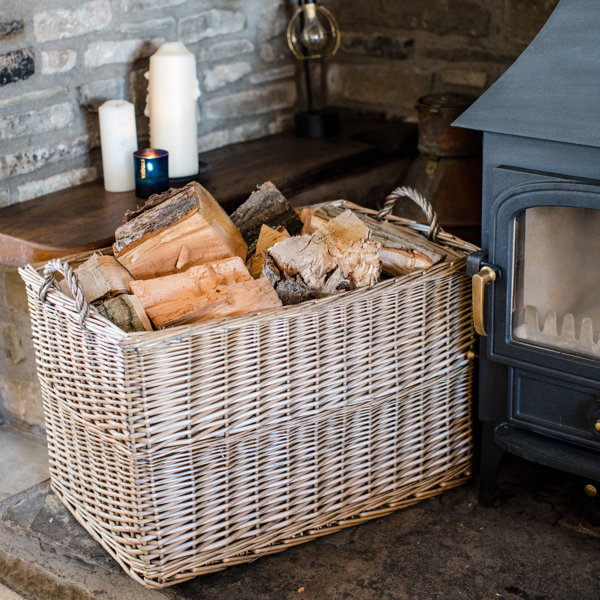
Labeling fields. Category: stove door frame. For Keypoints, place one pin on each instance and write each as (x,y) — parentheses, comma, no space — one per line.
(524,189)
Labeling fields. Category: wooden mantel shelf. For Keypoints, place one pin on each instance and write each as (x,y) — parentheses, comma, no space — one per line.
(85,217)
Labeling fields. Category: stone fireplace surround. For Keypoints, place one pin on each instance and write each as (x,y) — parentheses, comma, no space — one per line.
(59,63)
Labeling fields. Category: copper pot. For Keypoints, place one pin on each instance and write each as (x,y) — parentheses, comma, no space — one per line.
(437,137)
(448,169)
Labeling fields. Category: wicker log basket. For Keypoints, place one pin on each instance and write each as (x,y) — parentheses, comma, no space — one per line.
(187,450)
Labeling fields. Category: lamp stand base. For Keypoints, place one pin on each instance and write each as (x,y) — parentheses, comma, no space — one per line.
(317,123)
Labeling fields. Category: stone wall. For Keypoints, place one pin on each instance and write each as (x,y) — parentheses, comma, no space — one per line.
(60,60)
(393,52)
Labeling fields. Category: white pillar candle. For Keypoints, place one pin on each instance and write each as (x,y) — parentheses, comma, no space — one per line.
(173,92)
(118,138)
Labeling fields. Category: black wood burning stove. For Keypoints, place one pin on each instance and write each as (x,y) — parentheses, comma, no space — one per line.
(539,387)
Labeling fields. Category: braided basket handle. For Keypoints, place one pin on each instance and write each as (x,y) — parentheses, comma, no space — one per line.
(56,265)
(419,200)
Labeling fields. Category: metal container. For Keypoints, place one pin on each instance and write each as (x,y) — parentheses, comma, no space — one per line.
(448,168)
(436,112)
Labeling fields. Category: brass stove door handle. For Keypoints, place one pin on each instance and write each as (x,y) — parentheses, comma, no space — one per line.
(480,280)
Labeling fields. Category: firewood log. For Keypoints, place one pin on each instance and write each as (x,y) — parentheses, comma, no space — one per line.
(203,292)
(265,206)
(231,300)
(126,312)
(337,257)
(186,229)
(310,221)
(402,250)
(268,237)
(163,298)
(100,278)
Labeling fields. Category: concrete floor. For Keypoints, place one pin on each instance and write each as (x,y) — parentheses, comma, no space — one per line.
(539,541)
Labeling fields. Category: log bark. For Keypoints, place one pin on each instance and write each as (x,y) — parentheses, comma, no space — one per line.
(337,257)
(126,312)
(151,202)
(187,228)
(265,206)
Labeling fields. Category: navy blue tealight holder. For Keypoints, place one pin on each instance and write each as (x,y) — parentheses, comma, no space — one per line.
(151,168)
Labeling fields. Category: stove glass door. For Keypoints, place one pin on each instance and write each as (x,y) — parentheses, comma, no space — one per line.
(556,291)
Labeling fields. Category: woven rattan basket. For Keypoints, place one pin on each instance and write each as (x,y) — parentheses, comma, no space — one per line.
(187,450)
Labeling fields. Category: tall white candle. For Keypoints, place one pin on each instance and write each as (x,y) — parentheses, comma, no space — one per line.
(173,92)
(118,138)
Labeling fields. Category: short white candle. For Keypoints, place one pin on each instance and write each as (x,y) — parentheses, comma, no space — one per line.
(118,138)
(171,105)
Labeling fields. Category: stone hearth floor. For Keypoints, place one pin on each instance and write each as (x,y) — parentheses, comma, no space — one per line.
(23,462)
(539,541)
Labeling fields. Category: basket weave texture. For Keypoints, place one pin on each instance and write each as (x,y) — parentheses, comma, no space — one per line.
(187,450)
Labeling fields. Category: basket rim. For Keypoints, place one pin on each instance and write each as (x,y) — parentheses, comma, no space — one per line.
(32,274)
(96,323)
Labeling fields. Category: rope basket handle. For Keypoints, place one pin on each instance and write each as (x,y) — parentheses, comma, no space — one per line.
(420,201)
(56,265)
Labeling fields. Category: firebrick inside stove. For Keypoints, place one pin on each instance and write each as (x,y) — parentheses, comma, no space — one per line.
(537,278)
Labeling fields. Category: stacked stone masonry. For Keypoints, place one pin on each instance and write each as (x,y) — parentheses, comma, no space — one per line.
(60,60)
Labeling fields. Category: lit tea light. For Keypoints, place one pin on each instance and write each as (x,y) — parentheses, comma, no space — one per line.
(151,168)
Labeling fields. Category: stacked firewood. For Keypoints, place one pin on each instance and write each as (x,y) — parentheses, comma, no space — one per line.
(181,259)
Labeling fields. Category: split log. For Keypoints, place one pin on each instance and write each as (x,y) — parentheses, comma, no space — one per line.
(268,237)
(186,229)
(164,298)
(265,206)
(203,292)
(231,300)
(100,278)
(402,250)
(310,221)
(337,257)
(126,312)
